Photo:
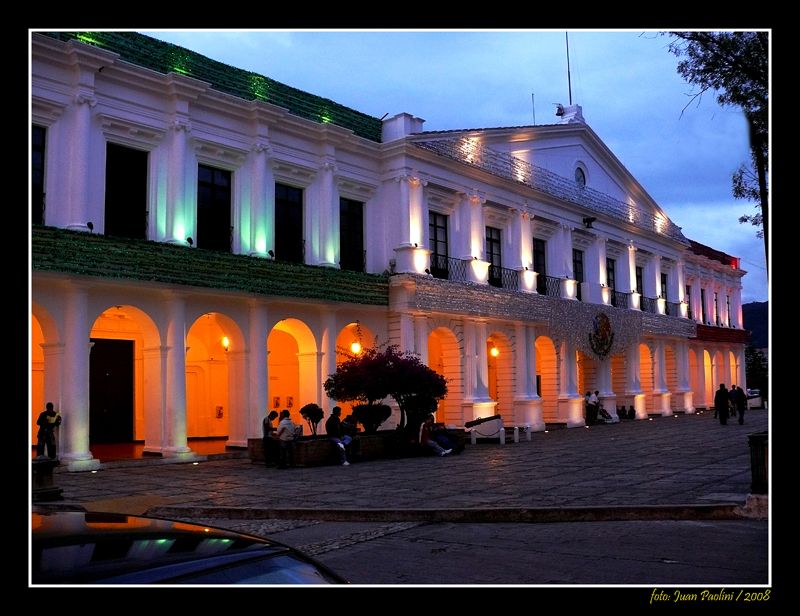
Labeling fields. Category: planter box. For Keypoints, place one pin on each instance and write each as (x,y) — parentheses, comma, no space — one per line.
(319,451)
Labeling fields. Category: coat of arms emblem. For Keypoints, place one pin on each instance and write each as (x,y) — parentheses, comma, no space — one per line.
(601,337)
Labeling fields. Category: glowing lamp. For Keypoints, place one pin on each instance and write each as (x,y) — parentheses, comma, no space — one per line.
(225,343)
(494,351)
(355,347)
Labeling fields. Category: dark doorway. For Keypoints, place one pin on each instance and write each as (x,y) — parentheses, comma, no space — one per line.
(111,391)
(37,175)
(126,192)
(351,235)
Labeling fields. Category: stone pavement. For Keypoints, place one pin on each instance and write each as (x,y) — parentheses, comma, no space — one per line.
(641,465)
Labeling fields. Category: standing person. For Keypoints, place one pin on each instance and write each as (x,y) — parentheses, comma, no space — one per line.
(741,404)
(268,439)
(721,403)
(286,436)
(732,400)
(426,437)
(47,421)
(334,429)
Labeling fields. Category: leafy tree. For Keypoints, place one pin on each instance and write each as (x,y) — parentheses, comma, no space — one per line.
(313,414)
(375,374)
(756,369)
(736,66)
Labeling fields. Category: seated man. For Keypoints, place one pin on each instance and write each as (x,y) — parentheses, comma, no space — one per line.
(426,437)
(335,433)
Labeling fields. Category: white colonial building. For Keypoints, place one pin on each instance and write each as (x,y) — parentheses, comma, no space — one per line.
(206,242)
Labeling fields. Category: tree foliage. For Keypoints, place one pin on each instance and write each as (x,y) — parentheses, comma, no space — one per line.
(756,370)
(313,414)
(374,374)
(735,65)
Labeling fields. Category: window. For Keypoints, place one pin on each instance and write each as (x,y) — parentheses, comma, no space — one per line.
(664,286)
(580,177)
(289,223)
(577,270)
(688,298)
(639,285)
(728,305)
(437,232)
(493,256)
(126,192)
(611,279)
(703,305)
(351,235)
(540,265)
(37,175)
(214,231)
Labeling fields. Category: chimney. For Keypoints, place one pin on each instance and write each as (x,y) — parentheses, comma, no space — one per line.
(401,125)
(570,115)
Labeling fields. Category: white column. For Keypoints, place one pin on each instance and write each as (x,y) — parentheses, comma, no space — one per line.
(482,361)
(661,393)
(406,342)
(684,397)
(53,362)
(328,346)
(527,404)
(262,198)
(607,396)
(154,370)
(696,300)
(633,380)
(651,276)
(469,360)
(741,376)
(462,242)
(74,431)
(570,401)
(700,392)
(411,255)
(80,120)
(175,424)
(421,337)
(710,314)
(726,368)
(736,307)
(626,273)
(179,222)
(595,275)
(724,293)
(327,249)
(257,367)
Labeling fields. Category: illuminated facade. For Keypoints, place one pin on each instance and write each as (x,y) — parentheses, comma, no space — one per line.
(207,242)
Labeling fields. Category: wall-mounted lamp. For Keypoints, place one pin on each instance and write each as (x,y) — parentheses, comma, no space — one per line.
(271,254)
(190,241)
(494,351)
(226,343)
(427,271)
(588,220)
(355,347)
(416,245)
(90,226)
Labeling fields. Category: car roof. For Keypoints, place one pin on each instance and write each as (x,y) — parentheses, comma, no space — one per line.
(88,547)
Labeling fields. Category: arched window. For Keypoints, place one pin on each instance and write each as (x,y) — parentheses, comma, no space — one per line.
(580,177)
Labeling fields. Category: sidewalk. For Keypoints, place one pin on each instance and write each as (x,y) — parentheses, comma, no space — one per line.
(687,463)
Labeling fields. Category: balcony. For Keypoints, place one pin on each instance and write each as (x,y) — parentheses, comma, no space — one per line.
(620,299)
(448,268)
(649,304)
(548,285)
(503,277)
(673,309)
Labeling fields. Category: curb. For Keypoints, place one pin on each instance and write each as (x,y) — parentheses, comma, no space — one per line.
(722,511)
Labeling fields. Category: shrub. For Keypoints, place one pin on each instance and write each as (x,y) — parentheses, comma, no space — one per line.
(371,416)
(313,414)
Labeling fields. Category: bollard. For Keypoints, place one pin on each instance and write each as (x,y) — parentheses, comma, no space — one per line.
(516,434)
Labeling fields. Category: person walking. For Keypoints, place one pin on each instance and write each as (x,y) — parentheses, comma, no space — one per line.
(721,403)
(49,419)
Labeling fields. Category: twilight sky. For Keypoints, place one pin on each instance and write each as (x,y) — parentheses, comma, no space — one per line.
(626,82)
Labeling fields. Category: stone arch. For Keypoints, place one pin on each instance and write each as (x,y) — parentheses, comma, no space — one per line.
(293,367)
(501,373)
(216,387)
(444,356)
(646,376)
(125,323)
(353,333)
(709,385)
(547,377)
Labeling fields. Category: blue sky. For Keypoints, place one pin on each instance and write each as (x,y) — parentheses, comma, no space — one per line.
(626,82)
